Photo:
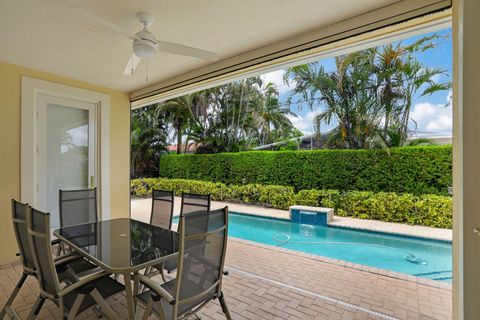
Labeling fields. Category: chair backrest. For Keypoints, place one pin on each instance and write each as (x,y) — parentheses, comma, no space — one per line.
(77,206)
(39,236)
(162,208)
(19,217)
(202,248)
(195,202)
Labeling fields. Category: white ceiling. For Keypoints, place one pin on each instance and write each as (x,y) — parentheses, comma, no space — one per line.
(50,36)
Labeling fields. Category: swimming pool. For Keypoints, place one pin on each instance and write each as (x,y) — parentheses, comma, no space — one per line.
(419,257)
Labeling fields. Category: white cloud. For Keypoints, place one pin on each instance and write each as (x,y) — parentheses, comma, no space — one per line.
(304,123)
(276,77)
(433,118)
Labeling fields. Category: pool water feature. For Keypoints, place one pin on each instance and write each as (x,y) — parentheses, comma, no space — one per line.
(419,257)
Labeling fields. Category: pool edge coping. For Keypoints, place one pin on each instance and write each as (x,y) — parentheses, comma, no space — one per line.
(329,225)
(351,265)
(334,225)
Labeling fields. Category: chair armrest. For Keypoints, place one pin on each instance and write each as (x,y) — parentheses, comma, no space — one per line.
(72,256)
(83,281)
(152,285)
(55,241)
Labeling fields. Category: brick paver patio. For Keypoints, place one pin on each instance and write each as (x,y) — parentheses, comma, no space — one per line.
(271,283)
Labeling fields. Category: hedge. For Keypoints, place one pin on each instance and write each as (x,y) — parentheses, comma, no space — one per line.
(428,209)
(416,170)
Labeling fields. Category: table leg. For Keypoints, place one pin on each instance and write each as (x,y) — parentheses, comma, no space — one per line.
(127,278)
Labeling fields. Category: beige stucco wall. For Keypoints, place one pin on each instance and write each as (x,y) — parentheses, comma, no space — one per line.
(10,105)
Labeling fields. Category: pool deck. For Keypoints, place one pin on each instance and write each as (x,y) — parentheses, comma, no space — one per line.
(267,282)
(270,283)
(141,210)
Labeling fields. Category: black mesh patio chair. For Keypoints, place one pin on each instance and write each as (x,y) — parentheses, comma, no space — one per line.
(191,202)
(162,208)
(76,207)
(200,269)
(68,266)
(195,202)
(161,216)
(75,297)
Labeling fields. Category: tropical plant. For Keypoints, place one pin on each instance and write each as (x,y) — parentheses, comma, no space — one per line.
(370,94)
(229,118)
(148,141)
(355,109)
(178,112)
(401,77)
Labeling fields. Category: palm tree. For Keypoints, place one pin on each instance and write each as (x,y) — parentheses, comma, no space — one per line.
(370,94)
(401,77)
(352,107)
(271,118)
(148,141)
(238,115)
(179,112)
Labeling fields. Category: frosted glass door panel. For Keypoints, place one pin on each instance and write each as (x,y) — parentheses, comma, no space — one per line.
(65,158)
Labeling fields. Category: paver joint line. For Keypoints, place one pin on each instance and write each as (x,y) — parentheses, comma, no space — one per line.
(315,294)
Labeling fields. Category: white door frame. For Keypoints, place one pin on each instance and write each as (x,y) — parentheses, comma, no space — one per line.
(31,89)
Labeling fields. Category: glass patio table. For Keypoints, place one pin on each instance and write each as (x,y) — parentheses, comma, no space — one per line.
(121,246)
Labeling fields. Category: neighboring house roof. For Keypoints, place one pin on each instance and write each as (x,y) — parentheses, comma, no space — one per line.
(191,147)
(308,138)
(440,139)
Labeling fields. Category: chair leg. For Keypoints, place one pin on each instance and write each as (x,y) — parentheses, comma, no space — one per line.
(36,308)
(59,249)
(162,273)
(148,309)
(63,314)
(223,304)
(13,295)
(104,307)
(76,305)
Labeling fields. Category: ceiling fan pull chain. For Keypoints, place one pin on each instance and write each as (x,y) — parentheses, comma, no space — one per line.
(132,61)
(146,71)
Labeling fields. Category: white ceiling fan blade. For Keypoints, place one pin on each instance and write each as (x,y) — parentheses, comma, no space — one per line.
(132,64)
(101,20)
(186,51)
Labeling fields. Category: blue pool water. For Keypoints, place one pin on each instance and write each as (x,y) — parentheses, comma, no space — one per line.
(418,257)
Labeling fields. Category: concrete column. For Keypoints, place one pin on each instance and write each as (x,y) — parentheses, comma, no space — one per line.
(466,160)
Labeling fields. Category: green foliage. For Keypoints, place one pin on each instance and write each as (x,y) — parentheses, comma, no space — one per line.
(229,118)
(317,198)
(148,141)
(429,210)
(370,93)
(416,170)
(143,187)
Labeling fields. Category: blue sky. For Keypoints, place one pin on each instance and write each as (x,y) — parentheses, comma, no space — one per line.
(433,114)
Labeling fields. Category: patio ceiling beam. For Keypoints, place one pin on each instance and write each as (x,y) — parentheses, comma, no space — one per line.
(285,51)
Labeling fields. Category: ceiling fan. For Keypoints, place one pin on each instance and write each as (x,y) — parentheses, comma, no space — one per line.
(144,44)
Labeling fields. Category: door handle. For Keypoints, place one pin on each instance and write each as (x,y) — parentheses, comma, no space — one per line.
(92,182)
(476,231)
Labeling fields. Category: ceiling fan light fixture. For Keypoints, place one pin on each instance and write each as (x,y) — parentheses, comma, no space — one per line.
(144,49)
(145,44)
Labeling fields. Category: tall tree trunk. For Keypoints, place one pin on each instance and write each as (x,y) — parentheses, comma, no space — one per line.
(179,140)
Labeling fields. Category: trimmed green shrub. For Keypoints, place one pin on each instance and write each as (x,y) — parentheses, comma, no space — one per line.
(317,198)
(428,210)
(417,170)
(142,188)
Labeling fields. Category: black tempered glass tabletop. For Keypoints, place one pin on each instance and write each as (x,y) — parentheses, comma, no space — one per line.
(121,245)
